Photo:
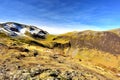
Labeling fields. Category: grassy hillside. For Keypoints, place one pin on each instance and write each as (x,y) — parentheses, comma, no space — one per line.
(87,55)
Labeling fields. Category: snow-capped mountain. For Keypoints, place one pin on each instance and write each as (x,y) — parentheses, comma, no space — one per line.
(16,29)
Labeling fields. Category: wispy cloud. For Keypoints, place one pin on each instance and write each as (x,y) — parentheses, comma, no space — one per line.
(62,15)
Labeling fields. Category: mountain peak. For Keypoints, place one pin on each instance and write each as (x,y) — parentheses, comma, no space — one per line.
(16,29)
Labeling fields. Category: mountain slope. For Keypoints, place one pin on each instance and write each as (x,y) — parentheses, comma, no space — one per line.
(38,55)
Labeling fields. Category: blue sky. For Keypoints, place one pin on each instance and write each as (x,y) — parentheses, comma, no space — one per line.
(60,16)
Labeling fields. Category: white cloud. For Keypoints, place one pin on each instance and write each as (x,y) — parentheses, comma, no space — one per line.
(69,28)
(56,30)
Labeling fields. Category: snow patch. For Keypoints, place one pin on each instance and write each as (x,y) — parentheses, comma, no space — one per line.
(23,30)
(3,30)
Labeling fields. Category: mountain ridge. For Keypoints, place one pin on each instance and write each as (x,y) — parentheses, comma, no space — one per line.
(85,55)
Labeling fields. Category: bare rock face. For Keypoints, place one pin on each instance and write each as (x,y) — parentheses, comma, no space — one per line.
(16,29)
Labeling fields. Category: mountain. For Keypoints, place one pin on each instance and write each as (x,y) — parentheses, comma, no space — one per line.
(30,53)
(16,29)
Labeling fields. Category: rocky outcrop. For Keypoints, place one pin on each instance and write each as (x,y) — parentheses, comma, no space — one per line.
(40,73)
